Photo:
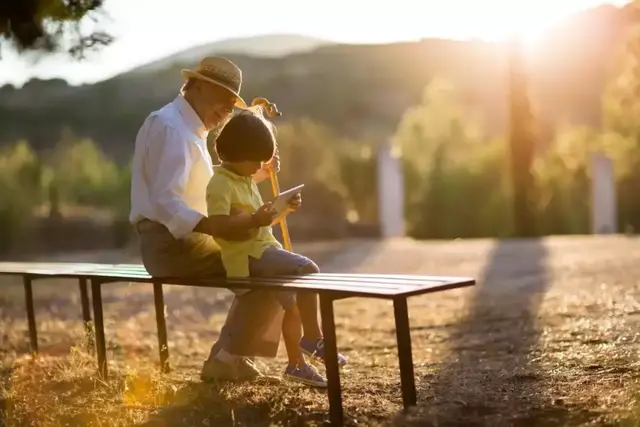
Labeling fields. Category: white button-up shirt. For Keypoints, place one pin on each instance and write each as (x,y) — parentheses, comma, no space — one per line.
(171,169)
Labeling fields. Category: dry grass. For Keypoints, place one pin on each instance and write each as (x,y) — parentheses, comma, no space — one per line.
(550,336)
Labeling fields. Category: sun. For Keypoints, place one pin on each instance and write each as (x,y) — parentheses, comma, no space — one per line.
(534,29)
(529,23)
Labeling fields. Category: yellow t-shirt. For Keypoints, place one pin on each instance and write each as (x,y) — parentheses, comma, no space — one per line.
(228,190)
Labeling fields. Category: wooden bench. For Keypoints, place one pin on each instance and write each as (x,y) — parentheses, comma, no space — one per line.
(330,287)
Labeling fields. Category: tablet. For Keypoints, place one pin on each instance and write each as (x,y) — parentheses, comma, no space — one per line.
(280,203)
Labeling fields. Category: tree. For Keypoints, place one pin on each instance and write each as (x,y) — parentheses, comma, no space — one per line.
(522,143)
(621,107)
(51,25)
(20,190)
(454,173)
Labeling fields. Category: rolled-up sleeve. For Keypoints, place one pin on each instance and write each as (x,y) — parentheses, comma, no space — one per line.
(175,159)
(218,196)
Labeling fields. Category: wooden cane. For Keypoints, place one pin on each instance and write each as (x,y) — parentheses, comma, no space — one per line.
(272,111)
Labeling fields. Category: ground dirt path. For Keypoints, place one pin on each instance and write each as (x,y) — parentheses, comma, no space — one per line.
(549,336)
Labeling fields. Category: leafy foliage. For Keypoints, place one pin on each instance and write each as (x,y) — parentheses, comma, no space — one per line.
(20,189)
(457,174)
(454,173)
(52,25)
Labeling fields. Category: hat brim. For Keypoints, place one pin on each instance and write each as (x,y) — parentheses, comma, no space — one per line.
(190,74)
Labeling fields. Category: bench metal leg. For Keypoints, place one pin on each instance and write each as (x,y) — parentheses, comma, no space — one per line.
(86,312)
(336,414)
(403,334)
(31,314)
(163,346)
(101,347)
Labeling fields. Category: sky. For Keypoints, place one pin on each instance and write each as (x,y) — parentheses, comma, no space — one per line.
(147,30)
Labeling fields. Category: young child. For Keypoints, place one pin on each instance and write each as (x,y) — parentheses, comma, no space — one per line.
(244,145)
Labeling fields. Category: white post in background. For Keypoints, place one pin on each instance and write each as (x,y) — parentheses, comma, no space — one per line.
(390,192)
(603,198)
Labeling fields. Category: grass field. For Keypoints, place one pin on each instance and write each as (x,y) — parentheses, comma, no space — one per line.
(549,336)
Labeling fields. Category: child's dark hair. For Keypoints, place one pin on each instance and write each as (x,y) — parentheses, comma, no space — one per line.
(248,136)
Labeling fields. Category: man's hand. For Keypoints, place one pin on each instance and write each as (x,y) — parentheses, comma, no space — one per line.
(271,165)
(264,215)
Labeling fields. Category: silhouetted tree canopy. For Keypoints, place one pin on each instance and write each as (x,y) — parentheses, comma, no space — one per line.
(51,25)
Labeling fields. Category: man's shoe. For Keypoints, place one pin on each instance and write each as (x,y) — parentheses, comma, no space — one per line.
(247,370)
(217,370)
(316,349)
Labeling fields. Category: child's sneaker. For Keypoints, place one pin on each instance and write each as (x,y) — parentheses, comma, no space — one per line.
(316,349)
(306,374)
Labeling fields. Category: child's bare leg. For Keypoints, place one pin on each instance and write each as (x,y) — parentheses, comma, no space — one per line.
(276,261)
(298,369)
(309,313)
(308,305)
(313,341)
(292,333)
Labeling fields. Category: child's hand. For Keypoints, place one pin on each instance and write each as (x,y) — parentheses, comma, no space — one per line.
(295,202)
(264,215)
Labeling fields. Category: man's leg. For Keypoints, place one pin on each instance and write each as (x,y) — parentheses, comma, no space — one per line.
(252,329)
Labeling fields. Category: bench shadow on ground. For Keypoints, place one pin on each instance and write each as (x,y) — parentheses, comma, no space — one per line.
(491,375)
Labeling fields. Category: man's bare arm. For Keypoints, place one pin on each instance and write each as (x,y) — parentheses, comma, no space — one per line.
(260,176)
(227,227)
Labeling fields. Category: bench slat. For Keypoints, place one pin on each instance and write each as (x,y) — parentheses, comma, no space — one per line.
(42,268)
(370,279)
(61,267)
(367,280)
(366,285)
(345,286)
(352,284)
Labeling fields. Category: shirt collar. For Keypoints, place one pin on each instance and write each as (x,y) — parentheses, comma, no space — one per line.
(190,117)
(231,174)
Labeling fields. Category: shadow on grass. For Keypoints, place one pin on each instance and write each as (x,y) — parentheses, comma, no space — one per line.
(633,420)
(2,411)
(491,375)
(70,394)
(239,404)
(259,404)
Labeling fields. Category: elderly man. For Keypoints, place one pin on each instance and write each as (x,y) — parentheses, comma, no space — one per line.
(171,170)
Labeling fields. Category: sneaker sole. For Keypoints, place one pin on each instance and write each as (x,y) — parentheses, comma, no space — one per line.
(310,383)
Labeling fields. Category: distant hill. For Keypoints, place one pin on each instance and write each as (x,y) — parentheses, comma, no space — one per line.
(360,90)
(265,46)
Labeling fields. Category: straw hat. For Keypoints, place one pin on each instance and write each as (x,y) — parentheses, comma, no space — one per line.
(219,71)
